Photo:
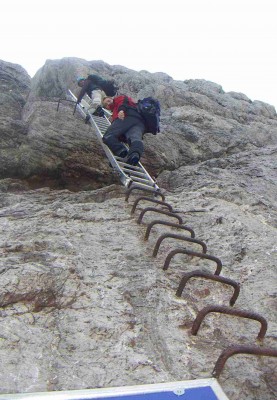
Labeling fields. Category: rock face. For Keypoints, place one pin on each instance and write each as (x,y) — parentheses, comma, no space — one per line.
(83,302)
(15,87)
(43,146)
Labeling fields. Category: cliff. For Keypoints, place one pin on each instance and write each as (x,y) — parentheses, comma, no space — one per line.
(83,302)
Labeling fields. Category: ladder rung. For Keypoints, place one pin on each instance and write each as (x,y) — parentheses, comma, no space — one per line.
(137,184)
(130,167)
(135,173)
(102,124)
(145,181)
(133,169)
(130,175)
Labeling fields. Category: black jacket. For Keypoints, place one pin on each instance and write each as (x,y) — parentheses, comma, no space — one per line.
(87,88)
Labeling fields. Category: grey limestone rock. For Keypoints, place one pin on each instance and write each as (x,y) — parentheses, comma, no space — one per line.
(83,302)
(199,121)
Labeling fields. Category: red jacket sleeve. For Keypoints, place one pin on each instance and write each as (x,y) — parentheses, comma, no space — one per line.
(118,102)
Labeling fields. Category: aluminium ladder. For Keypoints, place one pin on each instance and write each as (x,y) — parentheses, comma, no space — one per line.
(130,176)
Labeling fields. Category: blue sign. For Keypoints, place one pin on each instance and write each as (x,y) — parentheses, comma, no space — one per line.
(200,393)
(199,389)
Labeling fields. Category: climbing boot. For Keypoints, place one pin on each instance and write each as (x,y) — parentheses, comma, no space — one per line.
(133,159)
(99,112)
(87,119)
(123,153)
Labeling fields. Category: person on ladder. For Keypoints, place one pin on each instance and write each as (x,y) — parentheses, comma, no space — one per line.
(92,87)
(127,125)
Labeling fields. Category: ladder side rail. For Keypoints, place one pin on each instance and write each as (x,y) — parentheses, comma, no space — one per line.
(119,165)
(100,136)
(126,179)
(141,166)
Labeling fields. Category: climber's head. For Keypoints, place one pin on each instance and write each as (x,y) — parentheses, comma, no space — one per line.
(107,102)
(80,81)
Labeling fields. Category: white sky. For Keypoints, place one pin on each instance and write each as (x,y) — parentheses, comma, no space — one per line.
(229,42)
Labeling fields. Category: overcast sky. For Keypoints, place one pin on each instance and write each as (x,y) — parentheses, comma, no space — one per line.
(230,42)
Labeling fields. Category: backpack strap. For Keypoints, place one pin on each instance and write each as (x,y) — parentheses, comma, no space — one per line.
(130,110)
(125,101)
(126,105)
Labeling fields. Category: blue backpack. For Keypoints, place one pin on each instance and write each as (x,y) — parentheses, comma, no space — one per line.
(150,111)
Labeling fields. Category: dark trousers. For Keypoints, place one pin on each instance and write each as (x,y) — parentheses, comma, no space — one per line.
(132,129)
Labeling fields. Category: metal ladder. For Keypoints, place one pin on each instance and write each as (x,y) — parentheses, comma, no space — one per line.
(129,175)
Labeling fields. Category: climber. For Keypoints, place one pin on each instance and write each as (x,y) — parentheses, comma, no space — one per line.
(92,88)
(127,126)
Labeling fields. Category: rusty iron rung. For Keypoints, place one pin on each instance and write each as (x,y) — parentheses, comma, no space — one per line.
(153,201)
(167,223)
(170,214)
(238,349)
(60,100)
(207,275)
(155,193)
(194,254)
(181,237)
(230,311)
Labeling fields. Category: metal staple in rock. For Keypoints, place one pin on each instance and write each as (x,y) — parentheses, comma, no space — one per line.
(169,214)
(207,275)
(151,200)
(237,349)
(154,193)
(167,223)
(181,237)
(230,311)
(197,273)
(195,254)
